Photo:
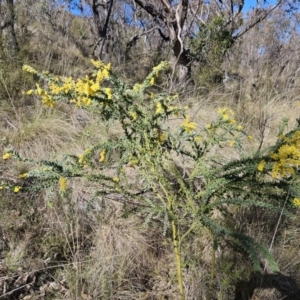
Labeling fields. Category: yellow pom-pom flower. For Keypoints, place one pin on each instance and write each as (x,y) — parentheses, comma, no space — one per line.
(24,175)
(6,156)
(102,156)
(189,126)
(296,202)
(29,69)
(17,189)
(261,166)
(62,184)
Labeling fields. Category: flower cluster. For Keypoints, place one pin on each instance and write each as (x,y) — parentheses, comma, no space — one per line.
(62,184)
(287,157)
(227,115)
(225,129)
(296,202)
(81,92)
(7,155)
(188,126)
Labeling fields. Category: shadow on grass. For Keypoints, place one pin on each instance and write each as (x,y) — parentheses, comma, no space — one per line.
(282,283)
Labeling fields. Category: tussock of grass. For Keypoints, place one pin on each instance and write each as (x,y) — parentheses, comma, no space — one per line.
(41,133)
(109,257)
(102,253)
(125,260)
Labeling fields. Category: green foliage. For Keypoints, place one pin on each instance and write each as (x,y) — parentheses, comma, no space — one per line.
(212,41)
(209,47)
(178,178)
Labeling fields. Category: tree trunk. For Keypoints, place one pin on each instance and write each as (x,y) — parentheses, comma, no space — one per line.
(11,40)
(173,18)
(101,13)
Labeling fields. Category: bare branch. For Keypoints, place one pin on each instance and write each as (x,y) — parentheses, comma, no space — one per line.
(258,20)
(133,41)
(151,9)
(167,5)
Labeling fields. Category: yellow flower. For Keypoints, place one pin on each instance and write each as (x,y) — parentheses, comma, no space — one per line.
(232,143)
(133,115)
(102,156)
(29,92)
(48,101)
(108,92)
(108,66)
(163,137)
(97,63)
(208,126)
(62,184)
(225,113)
(296,202)
(86,101)
(95,87)
(240,127)
(225,117)
(136,88)
(250,137)
(39,90)
(23,175)
(287,159)
(116,179)
(159,108)
(17,189)
(29,69)
(100,65)
(6,156)
(161,66)
(261,166)
(81,158)
(188,126)
(132,162)
(102,74)
(222,110)
(198,138)
(151,81)
(105,73)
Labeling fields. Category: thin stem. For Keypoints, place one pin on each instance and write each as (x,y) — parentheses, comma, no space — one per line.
(213,265)
(178,259)
(187,232)
(176,243)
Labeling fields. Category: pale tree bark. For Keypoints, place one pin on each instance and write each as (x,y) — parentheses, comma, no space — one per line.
(178,18)
(101,13)
(173,17)
(9,27)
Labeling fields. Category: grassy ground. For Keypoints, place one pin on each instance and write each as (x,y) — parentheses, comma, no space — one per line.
(78,247)
(81,247)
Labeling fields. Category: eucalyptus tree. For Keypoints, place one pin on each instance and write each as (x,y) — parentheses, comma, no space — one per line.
(7,26)
(197,32)
(268,54)
(215,25)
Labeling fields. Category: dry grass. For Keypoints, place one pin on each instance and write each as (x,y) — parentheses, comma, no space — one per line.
(85,249)
(80,247)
